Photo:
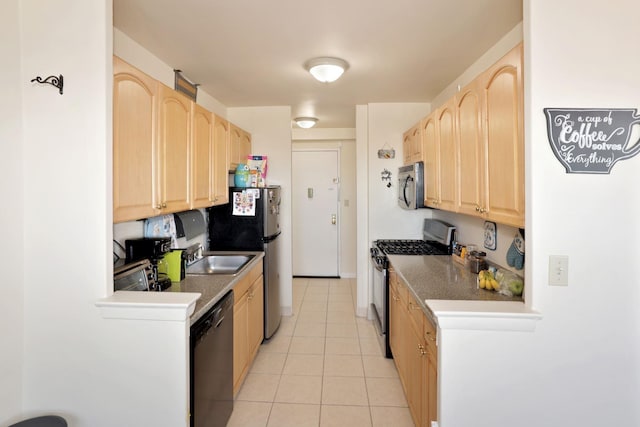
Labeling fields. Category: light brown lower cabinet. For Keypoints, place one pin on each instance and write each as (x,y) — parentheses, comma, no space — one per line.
(248,327)
(412,339)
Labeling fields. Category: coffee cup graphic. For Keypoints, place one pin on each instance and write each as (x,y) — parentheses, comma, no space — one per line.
(589,140)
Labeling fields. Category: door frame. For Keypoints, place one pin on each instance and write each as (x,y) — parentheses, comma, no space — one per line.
(338,201)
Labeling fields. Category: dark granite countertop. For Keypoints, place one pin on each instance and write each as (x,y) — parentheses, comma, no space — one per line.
(439,277)
(212,287)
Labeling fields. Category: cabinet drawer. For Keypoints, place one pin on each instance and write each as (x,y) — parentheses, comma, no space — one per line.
(249,278)
(415,313)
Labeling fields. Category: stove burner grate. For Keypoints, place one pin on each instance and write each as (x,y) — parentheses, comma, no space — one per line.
(412,247)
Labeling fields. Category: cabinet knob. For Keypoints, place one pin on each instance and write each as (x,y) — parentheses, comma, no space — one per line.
(429,336)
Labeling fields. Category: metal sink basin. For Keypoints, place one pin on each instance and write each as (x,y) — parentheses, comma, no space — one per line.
(230,264)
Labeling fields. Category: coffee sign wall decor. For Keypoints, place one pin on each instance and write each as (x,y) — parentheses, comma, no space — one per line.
(591,140)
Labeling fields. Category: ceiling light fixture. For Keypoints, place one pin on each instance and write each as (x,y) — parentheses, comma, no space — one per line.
(306,122)
(326,70)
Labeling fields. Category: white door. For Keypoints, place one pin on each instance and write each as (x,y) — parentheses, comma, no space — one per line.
(315,219)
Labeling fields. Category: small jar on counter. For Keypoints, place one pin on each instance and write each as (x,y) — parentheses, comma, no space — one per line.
(477,262)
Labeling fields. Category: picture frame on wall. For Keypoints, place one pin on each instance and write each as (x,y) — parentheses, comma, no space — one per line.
(490,235)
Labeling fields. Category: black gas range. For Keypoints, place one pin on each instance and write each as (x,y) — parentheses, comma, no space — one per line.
(438,240)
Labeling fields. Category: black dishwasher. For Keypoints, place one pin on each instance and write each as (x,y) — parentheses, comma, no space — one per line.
(212,366)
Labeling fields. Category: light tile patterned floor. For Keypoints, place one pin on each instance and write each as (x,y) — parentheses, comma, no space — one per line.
(323,368)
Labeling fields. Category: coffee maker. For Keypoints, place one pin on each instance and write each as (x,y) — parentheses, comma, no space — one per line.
(153,249)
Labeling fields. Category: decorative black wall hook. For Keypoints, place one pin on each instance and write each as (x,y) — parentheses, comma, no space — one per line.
(52,80)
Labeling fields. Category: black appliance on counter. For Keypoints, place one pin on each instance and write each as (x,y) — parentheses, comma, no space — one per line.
(211,366)
(438,239)
(251,222)
(153,249)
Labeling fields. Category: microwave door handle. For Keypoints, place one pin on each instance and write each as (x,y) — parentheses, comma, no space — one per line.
(404,189)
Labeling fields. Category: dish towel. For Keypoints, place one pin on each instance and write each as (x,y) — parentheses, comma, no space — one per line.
(515,254)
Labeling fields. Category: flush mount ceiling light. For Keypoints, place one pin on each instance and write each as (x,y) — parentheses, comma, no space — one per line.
(326,70)
(306,122)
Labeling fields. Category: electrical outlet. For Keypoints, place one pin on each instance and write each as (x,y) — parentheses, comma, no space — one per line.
(558,270)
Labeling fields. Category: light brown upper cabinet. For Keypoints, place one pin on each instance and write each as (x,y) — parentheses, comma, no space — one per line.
(173,145)
(220,161)
(412,145)
(202,158)
(240,145)
(470,147)
(135,103)
(473,146)
(445,119)
(504,186)
(431,158)
(438,136)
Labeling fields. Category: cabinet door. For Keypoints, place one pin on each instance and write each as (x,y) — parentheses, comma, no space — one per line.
(174,142)
(415,354)
(220,161)
(135,97)
(411,145)
(430,374)
(471,165)
(202,158)
(447,147)
(240,145)
(256,315)
(504,139)
(245,147)
(431,159)
(235,136)
(240,340)
(432,389)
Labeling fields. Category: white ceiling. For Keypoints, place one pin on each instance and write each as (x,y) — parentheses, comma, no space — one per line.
(252,52)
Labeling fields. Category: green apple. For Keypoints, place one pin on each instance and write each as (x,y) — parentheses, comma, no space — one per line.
(516,286)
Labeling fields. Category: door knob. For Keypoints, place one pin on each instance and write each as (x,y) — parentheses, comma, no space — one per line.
(334,219)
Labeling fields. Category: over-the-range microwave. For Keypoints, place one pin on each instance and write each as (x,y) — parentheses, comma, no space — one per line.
(411,186)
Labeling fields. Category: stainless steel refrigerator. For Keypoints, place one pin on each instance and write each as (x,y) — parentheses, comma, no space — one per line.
(251,222)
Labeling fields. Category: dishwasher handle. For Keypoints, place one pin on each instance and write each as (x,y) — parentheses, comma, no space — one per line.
(213,319)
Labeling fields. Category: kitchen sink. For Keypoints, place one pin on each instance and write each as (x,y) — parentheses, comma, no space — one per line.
(230,264)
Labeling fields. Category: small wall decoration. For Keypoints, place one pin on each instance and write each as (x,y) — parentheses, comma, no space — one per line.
(57,82)
(385,175)
(590,140)
(386,152)
(490,229)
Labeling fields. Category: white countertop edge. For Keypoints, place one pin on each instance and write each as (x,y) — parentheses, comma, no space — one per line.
(484,315)
(163,306)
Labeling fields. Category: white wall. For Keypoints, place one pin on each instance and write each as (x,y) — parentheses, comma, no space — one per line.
(89,369)
(580,366)
(138,56)
(12,192)
(387,123)
(379,217)
(490,57)
(270,129)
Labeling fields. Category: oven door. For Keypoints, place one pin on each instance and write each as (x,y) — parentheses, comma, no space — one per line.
(380,304)
(380,290)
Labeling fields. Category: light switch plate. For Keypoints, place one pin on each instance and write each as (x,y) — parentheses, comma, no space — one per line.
(558,270)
